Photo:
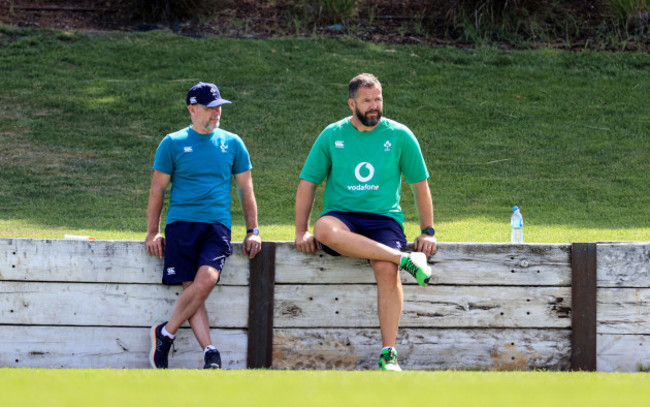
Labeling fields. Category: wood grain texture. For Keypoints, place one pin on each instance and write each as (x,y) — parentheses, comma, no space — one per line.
(108,304)
(434,306)
(104,261)
(624,311)
(624,265)
(114,347)
(623,353)
(423,349)
(453,264)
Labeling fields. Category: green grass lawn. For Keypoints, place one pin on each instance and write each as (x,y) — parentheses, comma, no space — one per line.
(83,387)
(564,135)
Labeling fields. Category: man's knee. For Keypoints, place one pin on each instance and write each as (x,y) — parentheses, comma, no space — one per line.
(207,276)
(326,229)
(386,273)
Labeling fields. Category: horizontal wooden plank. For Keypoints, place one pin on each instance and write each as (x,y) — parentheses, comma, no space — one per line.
(453,264)
(104,347)
(126,261)
(623,353)
(433,306)
(502,264)
(107,304)
(424,349)
(624,311)
(623,264)
(294,267)
(108,261)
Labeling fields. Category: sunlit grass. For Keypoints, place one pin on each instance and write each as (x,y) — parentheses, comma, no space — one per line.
(105,387)
(469,230)
(564,135)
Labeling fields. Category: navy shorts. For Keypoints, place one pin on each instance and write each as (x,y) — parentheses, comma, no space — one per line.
(380,228)
(190,245)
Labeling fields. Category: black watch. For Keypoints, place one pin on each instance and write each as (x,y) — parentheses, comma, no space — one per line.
(429,231)
(254,231)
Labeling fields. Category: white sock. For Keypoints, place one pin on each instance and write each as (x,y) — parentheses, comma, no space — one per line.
(207,348)
(167,334)
(387,347)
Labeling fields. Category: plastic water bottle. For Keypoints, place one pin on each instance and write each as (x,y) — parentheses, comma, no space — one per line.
(516,226)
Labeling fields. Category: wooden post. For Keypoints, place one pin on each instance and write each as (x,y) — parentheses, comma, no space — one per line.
(583,316)
(260,312)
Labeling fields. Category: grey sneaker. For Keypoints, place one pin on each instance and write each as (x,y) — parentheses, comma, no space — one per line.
(415,263)
(160,346)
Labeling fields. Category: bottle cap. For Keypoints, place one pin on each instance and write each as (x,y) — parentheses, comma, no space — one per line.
(78,237)
(515,208)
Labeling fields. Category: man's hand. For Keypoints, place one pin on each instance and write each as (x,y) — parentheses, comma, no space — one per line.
(306,243)
(155,244)
(252,245)
(425,244)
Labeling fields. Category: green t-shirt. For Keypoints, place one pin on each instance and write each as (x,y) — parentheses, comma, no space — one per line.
(363,169)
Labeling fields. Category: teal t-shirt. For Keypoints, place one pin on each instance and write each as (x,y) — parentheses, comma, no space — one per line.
(201,168)
(363,169)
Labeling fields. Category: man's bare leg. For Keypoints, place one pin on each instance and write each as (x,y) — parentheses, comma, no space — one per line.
(333,233)
(201,327)
(390,300)
(192,299)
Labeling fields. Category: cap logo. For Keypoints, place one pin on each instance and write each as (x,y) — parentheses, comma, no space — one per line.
(205,94)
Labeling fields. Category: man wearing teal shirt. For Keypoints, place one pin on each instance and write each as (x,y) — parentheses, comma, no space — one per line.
(363,158)
(199,161)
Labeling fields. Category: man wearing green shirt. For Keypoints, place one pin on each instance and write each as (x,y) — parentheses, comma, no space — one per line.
(363,158)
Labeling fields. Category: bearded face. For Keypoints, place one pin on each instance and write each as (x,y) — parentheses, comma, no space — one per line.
(368,105)
(370,118)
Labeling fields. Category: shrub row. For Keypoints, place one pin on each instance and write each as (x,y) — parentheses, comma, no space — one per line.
(468,20)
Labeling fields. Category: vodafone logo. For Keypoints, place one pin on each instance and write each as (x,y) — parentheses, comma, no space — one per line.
(364,172)
(370,172)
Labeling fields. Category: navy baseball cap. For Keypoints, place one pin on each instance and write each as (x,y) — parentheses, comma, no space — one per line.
(206,94)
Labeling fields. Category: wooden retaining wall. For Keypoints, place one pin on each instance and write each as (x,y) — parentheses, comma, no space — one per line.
(70,303)
(623,281)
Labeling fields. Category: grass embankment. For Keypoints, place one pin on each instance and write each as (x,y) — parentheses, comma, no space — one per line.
(563,135)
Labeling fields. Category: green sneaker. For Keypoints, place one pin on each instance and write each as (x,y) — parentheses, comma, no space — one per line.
(415,263)
(388,360)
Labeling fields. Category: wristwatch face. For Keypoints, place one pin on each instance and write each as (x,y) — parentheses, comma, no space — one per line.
(254,231)
(429,231)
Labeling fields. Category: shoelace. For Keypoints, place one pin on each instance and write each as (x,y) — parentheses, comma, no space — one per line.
(211,357)
(166,344)
(410,267)
(390,357)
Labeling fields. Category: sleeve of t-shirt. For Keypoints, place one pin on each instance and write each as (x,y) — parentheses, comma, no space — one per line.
(318,163)
(242,162)
(163,161)
(412,162)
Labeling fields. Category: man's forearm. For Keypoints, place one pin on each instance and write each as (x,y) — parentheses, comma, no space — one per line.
(154,211)
(304,204)
(424,203)
(249,206)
